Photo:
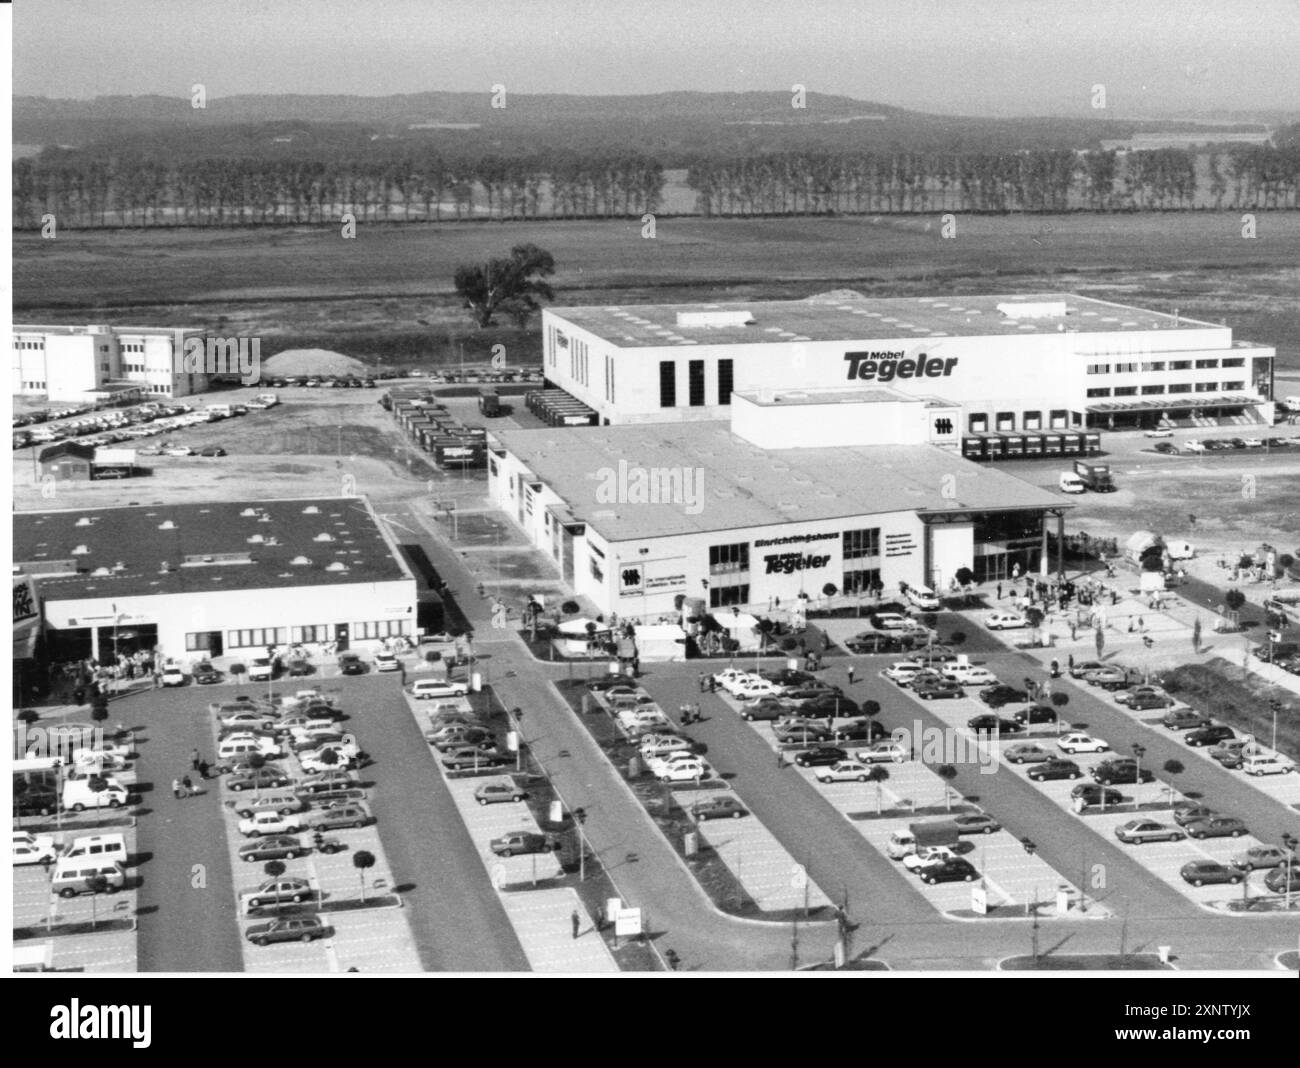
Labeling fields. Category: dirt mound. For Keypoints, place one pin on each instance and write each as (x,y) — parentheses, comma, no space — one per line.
(312,362)
(835,296)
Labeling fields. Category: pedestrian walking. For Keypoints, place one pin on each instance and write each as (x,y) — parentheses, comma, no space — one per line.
(576,921)
(194,759)
(176,788)
(1074,633)
(780,759)
(187,785)
(1142,625)
(695,712)
(204,768)
(1070,661)
(157,679)
(999,591)
(702,683)
(850,674)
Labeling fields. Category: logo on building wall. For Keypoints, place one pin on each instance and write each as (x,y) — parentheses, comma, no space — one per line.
(631,580)
(788,563)
(943,425)
(24,602)
(886,366)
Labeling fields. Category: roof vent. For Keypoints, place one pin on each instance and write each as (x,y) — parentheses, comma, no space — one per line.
(166,524)
(85,521)
(311,509)
(323,536)
(338,565)
(256,539)
(81,550)
(101,571)
(715,318)
(247,512)
(1046,309)
(300,561)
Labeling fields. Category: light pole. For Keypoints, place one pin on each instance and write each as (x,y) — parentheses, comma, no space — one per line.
(1139,751)
(1289,842)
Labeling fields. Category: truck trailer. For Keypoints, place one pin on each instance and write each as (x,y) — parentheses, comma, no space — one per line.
(1095,476)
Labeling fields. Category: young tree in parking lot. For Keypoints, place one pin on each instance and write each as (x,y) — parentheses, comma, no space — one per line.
(274,868)
(829,591)
(765,628)
(238,670)
(1034,617)
(879,776)
(965,579)
(947,773)
(1196,635)
(569,608)
(362,860)
(870,710)
(28,716)
(1234,599)
(96,884)
(1173,767)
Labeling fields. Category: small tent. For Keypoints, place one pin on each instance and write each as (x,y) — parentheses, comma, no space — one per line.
(743,628)
(661,642)
(575,640)
(1139,544)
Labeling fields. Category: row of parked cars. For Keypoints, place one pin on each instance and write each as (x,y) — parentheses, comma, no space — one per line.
(1225,444)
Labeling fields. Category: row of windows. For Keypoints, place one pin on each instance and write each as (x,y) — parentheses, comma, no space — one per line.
(609,378)
(1162,365)
(133,346)
(860,543)
(37,345)
(1058,419)
(1176,387)
(578,367)
(261,637)
(33,385)
(725,558)
(695,383)
(862,580)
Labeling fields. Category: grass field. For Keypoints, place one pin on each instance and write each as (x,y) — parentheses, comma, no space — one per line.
(387,294)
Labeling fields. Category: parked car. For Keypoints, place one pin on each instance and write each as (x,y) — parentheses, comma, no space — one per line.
(340,814)
(278,891)
(261,669)
(472,757)
(29,848)
(822,755)
(274,847)
(869,642)
(1107,674)
(524,842)
(970,675)
(937,689)
(829,705)
(889,621)
(269,776)
(976,823)
(350,663)
(1202,736)
(499,790)
(386,662)
(1200,872)
(999,695)
(844,771)
(1263,856)
(860,729)
(653,745)
(1026,753)
(903,671)
(1055,769)
(1180,719)
(173,675)
(685,771)
(801,732)
(1005,621)
(1283,879)
(947,871)
(991,723)
(1189,812)
(883,752)
(212,450)
(1142,702)
(1094,794)
(1137,831)
(926,856)
(1035,714)
(1193,445)
(205,674)
(1255,764)
(288,929)
(455,736)
(270,823)
(1217,827)
(1079,742)
(716,808)
(1123,770)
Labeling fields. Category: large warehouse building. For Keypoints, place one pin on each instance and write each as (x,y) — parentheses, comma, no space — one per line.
(852,488)
(1014,364)
(214,579)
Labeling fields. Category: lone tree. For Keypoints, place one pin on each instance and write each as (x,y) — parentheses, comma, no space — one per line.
(1101,640)
(363,859)
(829,591)
(238,670)
(879,776)
(1172,767)
(508,284)
(870,710)
(274,868)
(1234,599)
(947,773)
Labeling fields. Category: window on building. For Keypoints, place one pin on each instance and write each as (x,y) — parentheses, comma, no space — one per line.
(1159,365)
(861,543)
(1180,387)
(1148,390)
(1202,365)
(1098,393)
(1125,368)
(1006,421)
(1032,421)
(597,572)
(315,632)
(381,628)
(1180,365)
(1098,368)
(726,380)
(1207,387)
(1126,391)
(667,384)
(725,559)
(860,580)
(1236,361)
(695,382)
(722,596)
(1076,418)
(979,424)
(258,637)
(1060,418)
(1233,385)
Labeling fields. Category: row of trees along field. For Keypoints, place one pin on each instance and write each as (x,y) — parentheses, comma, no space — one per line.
(90,188)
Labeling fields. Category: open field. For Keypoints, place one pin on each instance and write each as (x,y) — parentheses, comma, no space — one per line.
(387,294)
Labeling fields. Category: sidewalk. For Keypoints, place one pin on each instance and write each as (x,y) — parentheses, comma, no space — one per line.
(543,920)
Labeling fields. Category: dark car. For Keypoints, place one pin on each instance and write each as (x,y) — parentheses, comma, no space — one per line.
(289,929)
(1181,719)
(1217,732)
(352,664)
(1055,769)
(339,814)
(828,705)
(272,847)
(938,688)
(1216,827)
(869,642)
(768,708)
(789,677)
(1200,872)
(801,732)
(472,758)
(726,807)
(1001,694)
(1082,668)
(860,730)
(957,869)
(810,691)
(279,891)
(1124,770)
(990,722)
(212,450)
(976,823)
(298,667)
(1035,714)
(205,674)
(1187,813)
(823,754)
(1094,794)
(523,842)
(1278,879)
(267,776)
(1142,702)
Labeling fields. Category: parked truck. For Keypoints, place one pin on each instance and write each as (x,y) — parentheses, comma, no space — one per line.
(1095,476)
(923,834)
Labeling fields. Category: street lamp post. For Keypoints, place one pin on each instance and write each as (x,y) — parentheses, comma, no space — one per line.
(1139,751)
(1289,841)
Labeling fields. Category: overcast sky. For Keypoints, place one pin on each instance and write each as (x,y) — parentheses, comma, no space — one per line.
(994,57)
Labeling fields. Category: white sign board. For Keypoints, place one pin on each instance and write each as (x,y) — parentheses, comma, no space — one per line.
(627,923)
(979,900)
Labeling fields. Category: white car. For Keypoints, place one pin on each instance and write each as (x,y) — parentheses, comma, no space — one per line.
(1254,443)
(314,760)
(178,450)
(1159,434)
(33,849)
(654,745)
(1266,764)
(844,771)
(1005,621)
(172,675)
(751,689)
(660,764)
(428,688)
(685,771)
(881,753)
(251,719)
(732,679)
(924,598)
(1193,446)
(927,855)
(1079,742)
(892,621)
(970,675)
(270,823)
(386,662)
(903,671)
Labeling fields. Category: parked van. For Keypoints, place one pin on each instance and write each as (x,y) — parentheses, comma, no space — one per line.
(106,847)
(1072,483)
(1266,764)
(78,796)
(926,833)
(223,411)
(234,748)
(429,688)
(924,599)
(71,877)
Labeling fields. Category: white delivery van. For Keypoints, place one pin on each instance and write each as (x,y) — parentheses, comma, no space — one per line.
(71,877)
(233,748)
(1072,483)
(923,598)
(221,411)
(428,688)
(108,847)
(78,796)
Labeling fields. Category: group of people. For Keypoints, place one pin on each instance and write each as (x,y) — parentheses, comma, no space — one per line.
(185,786)
(690,714)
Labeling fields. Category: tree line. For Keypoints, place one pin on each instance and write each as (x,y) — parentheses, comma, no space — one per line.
(100,187)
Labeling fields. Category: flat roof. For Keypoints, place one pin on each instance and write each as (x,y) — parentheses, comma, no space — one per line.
(92,329)
(852,318)
(249,545)
(742,485)
(768,398)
